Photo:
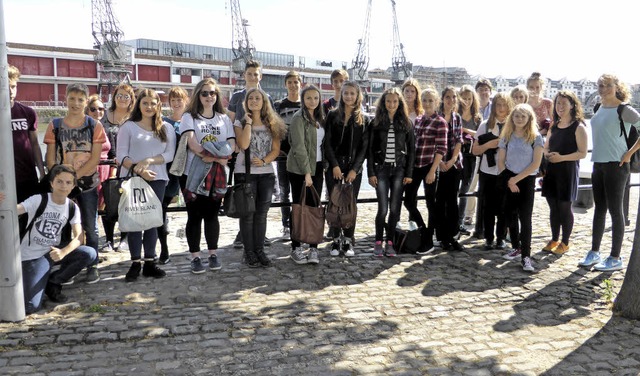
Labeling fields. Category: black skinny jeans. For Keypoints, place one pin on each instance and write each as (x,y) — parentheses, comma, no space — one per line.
(492,198)
(608,181)
(389,194)
(297,182)
(519,209)
(468,168)
(411,194)
(447,204)
(253,227)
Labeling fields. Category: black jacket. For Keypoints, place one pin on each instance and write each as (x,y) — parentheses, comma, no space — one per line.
(357,143)
(405,148)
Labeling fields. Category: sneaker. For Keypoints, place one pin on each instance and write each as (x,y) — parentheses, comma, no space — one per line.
(501,244)
(463,231)
(93,275)
(134,272)
(388,250)
(609,264)
(298,256)
(335,248)
(561,249)
(107,247)
(286,234)
(455,246)
(150,269)
(54,293)
(591,258)
(214,264)
(164,261)
(123,246)
(237,244)
(347,248)
(378,251)
(488,245)
(427,245)
(513,254)
(312,257)
(551,246)
(69,282)
(196,266)
(527,265)
(263,259)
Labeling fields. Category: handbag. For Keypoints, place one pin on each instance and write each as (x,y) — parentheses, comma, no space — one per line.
(239,200)
(139,208)
(341,209)
(111,192)
(407,241)
(308,221)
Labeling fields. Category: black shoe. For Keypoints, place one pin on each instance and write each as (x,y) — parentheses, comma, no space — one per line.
(501,244)
(488,245)
(251,259)
(54,293)
(150,269)
(455,246)
(164,261)
(463,231)
(263,258)
(134,272)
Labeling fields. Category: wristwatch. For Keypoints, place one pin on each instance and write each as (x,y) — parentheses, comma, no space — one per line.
(264,164)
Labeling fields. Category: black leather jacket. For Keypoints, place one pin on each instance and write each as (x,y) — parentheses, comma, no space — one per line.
(405,148)
(358,142)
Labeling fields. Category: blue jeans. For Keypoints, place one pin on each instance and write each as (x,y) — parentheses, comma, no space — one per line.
(35,274)
(253,227)
(88,204)
(150,237)
(608,182)
(285,191)
(388,191)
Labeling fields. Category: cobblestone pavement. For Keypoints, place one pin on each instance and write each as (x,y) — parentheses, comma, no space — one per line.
(464,313)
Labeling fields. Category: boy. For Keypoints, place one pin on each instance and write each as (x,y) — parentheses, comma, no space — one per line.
(338,77)
(77,140)
(26,148)
(484,88)
(43,243)
(286,108)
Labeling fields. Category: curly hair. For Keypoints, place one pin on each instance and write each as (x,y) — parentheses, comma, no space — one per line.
(268,116)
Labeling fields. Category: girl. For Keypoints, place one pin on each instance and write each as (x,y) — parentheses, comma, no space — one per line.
(519,156)
(260,131)
(77,140)
(304,160)
(122,102)
(205,120)
(145,145)
(566,144)
(450,172)
(469,109)
(345,147)
(486,146)
(178,99)
(390,163)
(519,94)
(411,94)
(543,107)
(610,169)
(430,147)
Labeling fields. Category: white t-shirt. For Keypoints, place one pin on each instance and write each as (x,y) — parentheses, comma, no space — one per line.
(217,128)
(47,229)
(259,146)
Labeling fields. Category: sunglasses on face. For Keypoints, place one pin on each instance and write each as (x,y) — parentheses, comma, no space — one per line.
(205,94)
(94,109)
(125,97)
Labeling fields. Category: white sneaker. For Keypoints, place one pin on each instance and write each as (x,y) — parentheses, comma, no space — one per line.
(527,265)
(347,248)
(335,248)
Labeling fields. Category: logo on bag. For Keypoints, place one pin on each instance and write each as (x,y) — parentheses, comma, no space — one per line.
(139,196)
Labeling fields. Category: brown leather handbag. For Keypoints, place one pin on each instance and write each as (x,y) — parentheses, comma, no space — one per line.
(307,221)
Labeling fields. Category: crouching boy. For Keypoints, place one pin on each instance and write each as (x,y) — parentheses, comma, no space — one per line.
(52,236)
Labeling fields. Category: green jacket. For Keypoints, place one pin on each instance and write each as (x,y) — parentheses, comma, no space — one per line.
(303,135)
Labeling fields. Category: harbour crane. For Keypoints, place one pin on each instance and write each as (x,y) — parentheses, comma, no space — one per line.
(401,69)
(360,62)
(113,58)
(241,45)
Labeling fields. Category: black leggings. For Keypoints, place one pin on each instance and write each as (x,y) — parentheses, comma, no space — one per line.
(202,209)
(561,215)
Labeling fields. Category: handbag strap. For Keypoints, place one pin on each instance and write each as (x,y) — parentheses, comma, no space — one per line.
(247,161)
(314,193)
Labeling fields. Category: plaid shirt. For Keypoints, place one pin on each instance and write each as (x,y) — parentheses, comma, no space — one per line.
(431,139)
(454,137)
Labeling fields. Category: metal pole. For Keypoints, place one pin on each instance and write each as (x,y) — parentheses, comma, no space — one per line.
(11,295)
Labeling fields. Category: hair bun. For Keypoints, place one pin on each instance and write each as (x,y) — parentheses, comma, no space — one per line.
(535,75)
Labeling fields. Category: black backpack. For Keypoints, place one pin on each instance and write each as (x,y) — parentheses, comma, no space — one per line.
(630,139)
(65,236)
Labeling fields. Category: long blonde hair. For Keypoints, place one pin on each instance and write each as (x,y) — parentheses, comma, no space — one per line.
(491,122)
(530,129)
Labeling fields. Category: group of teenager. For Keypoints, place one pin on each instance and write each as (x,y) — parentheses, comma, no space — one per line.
(448,142)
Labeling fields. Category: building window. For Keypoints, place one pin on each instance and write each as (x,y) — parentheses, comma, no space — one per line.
(207,56)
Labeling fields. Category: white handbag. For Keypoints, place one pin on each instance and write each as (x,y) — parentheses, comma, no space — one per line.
(139,208)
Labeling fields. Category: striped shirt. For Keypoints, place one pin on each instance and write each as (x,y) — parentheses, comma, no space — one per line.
(431,138)
(390,154)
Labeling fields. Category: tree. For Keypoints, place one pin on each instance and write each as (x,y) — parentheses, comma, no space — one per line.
(627,303)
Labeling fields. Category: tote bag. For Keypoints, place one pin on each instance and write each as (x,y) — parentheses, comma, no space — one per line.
(139,208)
(308,221)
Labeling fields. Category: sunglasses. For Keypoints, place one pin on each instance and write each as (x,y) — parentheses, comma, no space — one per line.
(125,97)
(208,93)
(94,109)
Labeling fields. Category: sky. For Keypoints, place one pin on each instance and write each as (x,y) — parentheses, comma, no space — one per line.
(570,39)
